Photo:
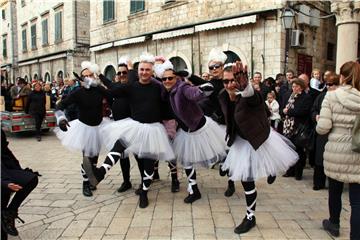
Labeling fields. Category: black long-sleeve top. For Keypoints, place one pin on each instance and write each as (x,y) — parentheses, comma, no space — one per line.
(120,107)
(210,105)
(89,102)
(36,103)
(146,104)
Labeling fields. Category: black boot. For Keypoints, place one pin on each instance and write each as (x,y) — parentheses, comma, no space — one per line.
(156,176)
(230,189)
(330,227)
(139,190)
(86,189)
(38,137)
(271,179)
(124,187)
(194,196)
(8,221)
(143,199)
(94,174)
(290,172)
(246,225)
(175,185)
(223,173)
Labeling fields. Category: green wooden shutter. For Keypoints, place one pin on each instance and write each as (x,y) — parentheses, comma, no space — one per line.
(44,25)
(58,26)
(4,48)
(24,40)
(33,36)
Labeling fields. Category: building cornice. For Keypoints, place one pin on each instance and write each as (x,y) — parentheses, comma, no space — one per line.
(346,12)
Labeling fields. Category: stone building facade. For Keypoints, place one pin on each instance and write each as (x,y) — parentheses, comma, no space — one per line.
(53,38)
(8,47)
(186,31)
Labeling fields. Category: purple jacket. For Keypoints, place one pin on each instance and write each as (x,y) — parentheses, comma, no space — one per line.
(183,101)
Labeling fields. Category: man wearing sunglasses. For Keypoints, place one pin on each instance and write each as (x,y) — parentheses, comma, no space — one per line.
(142,134)
(121,110)
(256,151)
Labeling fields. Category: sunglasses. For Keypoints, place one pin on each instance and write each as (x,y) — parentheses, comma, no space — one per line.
(167,78)
(121,73)
(227,81)
(215,66)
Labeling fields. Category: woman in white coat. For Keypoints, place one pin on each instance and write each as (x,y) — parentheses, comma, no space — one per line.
(341,164)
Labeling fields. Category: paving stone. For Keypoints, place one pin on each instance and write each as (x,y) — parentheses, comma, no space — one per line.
(137,233)
(34,210)
(182,233)
(102,219)
(76,228)
(63,223)
(50,234)
(126,210)
(38,203)
(182,219)
(63,203)
(118,226)
(142,219)
(317,234)
(160,227)
(203,226)
(223,220)
(272,233)
(226,233)
(113,237)
(93,233)
(32,233)
(87,215)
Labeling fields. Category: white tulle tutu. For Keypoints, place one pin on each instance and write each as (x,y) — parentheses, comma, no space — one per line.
(81,137)
(110,132)
(146,140)
(202,147)
(274,156)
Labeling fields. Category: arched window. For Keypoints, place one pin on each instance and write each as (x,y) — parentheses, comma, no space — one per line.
(231,57)
(60,75)
(47,77)
(36,77)
(179,63)
(26,78)
(110,72)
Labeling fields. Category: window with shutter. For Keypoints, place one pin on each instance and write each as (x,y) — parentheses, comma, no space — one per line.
(33,36)
(137,6)
(24,44)
(108,10)
(44,25)
(58,26)
(4,47)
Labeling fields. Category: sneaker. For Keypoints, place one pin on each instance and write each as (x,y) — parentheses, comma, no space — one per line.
(86,190)
(175,185)
(271,179)
(139,190)
(331,228)
(230,189)
(246,225)
(193,197)
(156,176)
(143,199)
(8,222)
(124,187)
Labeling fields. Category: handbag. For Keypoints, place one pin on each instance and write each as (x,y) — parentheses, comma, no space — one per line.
(355,134)
(304,136)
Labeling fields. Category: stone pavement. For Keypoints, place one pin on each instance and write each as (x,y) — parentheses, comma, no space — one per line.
(56,209)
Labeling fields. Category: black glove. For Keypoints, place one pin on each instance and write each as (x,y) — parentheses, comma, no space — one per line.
(183,73)
(63,124)
(206,87)
(32,171)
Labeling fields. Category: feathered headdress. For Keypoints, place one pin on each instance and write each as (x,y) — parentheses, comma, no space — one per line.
(147,57)
(92,67)
(123,60)
(161,68)
(217,55)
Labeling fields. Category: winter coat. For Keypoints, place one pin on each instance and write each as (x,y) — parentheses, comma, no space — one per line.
(274,105)
(320,140)
(183,100)
(36,103)
(245,117)
(337,116)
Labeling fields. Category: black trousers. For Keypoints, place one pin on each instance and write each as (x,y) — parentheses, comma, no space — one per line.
(319,177)
(335,205)
(297,169)
(27,180)
(39,118)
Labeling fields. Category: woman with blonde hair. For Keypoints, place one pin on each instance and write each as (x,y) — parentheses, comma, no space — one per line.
(341,164)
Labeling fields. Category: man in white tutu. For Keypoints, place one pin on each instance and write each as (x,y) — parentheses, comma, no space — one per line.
(83,134)
(142,134)
(256,151)
(199,139)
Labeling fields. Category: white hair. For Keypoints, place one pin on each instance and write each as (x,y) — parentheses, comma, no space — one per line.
(147,58)
(217,55)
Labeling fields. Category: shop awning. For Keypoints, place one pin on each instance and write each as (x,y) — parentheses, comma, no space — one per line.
(129,41)
(226,23)
(175,33)
(101,47)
